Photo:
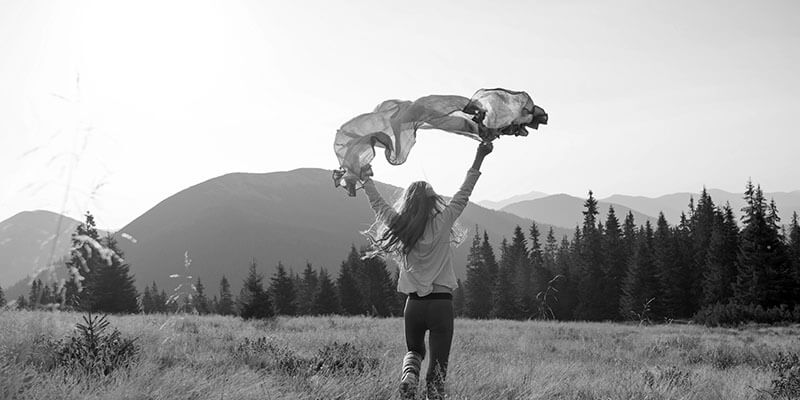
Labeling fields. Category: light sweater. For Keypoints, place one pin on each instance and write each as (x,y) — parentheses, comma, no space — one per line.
(430,262)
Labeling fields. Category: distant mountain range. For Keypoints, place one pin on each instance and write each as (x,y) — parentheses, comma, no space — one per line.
(497,205)
(30,241)
(294,217)
(567,211)
(673,204)
(290,217)
(561,210)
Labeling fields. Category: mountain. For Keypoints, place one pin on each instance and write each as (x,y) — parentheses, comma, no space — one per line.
(31,240)
(673,204)
(292,217)
(566,211)
(497,205)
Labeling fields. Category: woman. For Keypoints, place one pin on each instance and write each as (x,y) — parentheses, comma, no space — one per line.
(419,235)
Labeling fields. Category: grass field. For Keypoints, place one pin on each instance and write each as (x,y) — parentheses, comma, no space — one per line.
(191,357)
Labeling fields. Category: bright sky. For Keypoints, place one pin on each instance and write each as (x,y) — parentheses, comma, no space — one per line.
(645,97)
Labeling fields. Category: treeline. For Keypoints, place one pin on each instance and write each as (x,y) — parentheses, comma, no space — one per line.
(706,267)
(362,287)
(100,281)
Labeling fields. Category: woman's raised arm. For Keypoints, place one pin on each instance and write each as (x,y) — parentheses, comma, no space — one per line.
(461,198)
(382,210)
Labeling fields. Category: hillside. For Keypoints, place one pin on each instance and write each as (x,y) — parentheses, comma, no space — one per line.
(497,205)
(292,217)
(566,211)
(31,240)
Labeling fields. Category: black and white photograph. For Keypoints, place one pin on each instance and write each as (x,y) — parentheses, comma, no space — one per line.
(418,200)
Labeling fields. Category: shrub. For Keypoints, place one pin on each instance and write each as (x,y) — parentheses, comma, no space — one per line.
(263,354)
(342,358)
(732,314)
(335,358)
(92,350)
(725,355)
(787,384)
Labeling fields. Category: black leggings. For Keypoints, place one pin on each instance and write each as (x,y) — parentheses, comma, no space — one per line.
(430,313)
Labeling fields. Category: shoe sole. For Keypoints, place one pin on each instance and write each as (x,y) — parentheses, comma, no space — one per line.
(406,391)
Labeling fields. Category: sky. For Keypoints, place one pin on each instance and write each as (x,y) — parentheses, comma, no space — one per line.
(113,106)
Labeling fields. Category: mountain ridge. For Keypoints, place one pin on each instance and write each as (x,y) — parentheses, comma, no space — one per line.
(28,243)
(566,210)
(292,217)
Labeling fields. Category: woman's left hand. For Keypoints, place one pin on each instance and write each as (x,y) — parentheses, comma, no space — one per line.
(366,171)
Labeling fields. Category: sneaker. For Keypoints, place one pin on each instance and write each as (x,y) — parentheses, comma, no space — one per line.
(410,375)
(408,386)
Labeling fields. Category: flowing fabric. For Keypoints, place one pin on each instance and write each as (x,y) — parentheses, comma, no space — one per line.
(393,126)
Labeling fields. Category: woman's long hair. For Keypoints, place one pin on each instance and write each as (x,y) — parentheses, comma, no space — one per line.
(414,208)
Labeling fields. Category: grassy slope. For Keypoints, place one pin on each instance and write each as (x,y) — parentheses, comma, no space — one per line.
(191,358)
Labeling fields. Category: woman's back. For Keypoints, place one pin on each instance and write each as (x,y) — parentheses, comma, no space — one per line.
(430,261)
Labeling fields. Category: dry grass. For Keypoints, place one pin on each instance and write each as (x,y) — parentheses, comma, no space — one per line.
(194,357)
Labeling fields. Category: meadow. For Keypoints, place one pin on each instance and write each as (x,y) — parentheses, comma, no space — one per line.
(216,357)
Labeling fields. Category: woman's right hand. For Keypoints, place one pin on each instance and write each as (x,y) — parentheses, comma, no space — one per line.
(366,172)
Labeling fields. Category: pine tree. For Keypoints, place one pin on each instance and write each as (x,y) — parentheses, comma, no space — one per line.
(540,275)
(504,304)
(114,289)
(2,298)
(85,257)
(160,299)
(35,294)
(70,299)
(47,295)
(641,285)
(349,293)
(720,271)
(297,284)
(629,234)
(536,254)
(478,286)
(550,252)
(199,300)
(305,291)
(22,304)
(670,274)
(794,251)
(107,285)
(567,286)
(152,301)
(325,299)
(164,306)
(590,256)
(254,301)
(521,267)
(377,287)
(615,265)
(489,259)
(282,291)
(147,301)
(684,261)
(764,274)
(57,292)
(226,304)
(702,224)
